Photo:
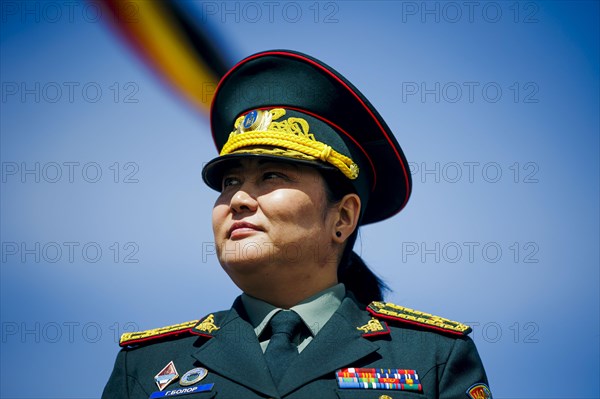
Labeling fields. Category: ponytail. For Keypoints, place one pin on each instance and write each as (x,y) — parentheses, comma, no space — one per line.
(361,281)
(358,278)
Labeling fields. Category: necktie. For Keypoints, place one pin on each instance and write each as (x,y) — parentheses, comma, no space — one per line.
(281,351)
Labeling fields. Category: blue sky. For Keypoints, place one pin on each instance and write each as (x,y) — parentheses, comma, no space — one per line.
(105,221)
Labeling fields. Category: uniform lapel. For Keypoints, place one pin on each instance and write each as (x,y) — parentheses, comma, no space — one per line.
(338,344)
(234,353)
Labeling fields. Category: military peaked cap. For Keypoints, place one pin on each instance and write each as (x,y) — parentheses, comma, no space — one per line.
(289,106)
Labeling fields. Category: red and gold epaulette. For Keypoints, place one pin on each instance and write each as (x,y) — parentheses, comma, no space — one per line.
(202,327)
(390,311)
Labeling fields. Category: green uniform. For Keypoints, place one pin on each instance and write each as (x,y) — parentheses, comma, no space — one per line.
(228,347)
(285,106)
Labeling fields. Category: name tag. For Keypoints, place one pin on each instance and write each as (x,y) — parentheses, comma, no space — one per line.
(182,391)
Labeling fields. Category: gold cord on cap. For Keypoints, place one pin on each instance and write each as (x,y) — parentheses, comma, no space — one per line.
(287,138)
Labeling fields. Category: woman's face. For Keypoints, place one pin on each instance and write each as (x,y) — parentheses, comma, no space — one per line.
(272,224)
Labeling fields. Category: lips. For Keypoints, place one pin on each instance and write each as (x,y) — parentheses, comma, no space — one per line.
(239,229)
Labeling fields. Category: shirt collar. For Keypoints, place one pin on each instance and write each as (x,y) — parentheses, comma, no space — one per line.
(314,311)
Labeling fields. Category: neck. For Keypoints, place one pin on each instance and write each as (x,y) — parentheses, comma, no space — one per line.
(285,284)
(287,295)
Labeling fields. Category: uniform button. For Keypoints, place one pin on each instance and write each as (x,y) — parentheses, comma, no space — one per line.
(385,397)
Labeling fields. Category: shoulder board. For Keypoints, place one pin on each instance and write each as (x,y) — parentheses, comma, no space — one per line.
(138,337)
(390,311)
(203,327)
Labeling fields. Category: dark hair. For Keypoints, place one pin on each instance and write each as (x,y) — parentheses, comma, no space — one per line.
(352,270)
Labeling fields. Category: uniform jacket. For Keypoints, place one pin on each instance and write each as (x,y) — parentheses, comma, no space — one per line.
(448,365)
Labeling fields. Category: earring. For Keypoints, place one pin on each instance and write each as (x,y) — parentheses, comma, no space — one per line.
(338,233)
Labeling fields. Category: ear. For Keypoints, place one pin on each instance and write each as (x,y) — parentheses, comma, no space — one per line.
(348,212)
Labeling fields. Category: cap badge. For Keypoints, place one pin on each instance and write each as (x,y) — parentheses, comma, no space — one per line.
(252,120)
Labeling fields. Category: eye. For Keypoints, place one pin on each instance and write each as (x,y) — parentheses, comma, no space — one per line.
(229,181)
(271,175)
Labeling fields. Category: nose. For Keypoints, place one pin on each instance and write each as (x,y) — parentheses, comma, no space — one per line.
(242,201)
